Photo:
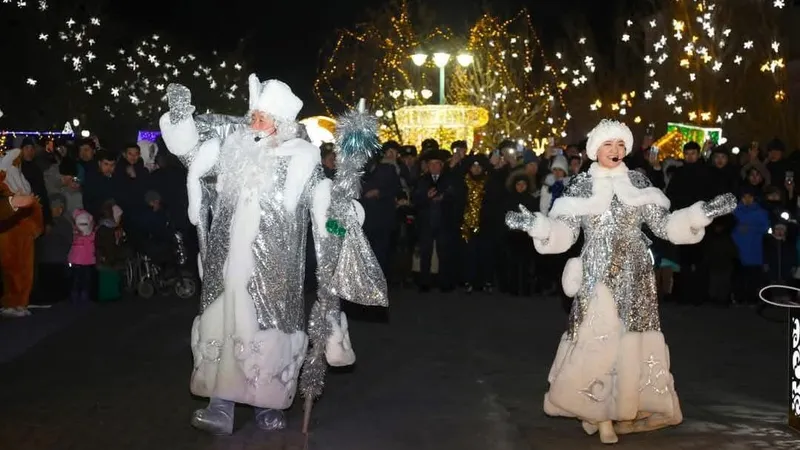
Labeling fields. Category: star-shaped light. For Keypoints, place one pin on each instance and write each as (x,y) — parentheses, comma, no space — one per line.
(31,82)
(42,5)
(115,92)
(70,23)
(779,4)
(43,37)
(95,21)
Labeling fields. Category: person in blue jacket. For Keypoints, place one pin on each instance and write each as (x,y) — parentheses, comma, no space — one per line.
(752,223)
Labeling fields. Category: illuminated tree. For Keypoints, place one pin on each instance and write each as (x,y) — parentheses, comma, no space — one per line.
(512,80)
(93,69)
(698,61)
(374,62)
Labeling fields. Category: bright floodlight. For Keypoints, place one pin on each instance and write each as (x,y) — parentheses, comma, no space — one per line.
(465,59)
(419,58)
(441,59)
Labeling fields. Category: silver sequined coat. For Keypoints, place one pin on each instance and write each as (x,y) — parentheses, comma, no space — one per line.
(612,207)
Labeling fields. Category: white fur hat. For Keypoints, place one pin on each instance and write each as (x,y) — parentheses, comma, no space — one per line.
(560,162)
(274,98)
(604,131)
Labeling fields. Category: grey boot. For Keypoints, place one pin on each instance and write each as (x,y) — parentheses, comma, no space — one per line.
(216,418)
(270,419)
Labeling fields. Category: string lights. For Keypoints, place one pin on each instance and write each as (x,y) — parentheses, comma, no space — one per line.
(519,88)
(128,79)
(9,138)
(705,62)
(512,79)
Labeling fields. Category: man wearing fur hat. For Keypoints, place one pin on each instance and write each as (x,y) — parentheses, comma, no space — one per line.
(612,366)
(249,340)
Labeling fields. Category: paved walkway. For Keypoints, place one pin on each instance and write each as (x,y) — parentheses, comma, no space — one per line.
(444,372)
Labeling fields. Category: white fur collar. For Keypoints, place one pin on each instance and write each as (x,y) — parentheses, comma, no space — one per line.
(605,184)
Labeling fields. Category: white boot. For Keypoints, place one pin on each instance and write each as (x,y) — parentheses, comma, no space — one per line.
(338,350)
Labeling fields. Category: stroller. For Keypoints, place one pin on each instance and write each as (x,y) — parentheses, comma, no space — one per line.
(153,270)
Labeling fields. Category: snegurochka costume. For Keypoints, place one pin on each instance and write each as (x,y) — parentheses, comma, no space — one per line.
(251,194)
(612,366)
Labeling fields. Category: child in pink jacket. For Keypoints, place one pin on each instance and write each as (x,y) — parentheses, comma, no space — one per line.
(82,256)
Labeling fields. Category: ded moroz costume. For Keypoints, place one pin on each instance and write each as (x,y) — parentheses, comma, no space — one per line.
(260,184)
(612,367)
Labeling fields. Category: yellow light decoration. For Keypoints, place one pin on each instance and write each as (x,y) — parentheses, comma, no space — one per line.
(511,78)
(320,129)
(374,61)
(698,55)
(670,146)
(445,123)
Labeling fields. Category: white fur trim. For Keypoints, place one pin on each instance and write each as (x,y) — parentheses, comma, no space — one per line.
(688,225)
(610,374)
(305,159)
(338,349)
(320,202)
(360,213)
(274,98)
(205,160)
(180,138)
(572,277)
(605,184)
(604,131)
(545,198)
(559,238)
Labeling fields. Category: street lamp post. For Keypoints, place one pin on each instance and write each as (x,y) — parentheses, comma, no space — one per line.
(440,60)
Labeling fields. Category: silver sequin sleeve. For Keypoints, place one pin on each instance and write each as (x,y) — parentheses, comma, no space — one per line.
(720,205)
(656,218)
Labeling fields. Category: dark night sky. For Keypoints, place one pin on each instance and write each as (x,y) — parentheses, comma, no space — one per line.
(284,38)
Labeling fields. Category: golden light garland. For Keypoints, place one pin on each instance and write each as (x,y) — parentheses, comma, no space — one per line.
(445,123)
(511,78)
(706,62)
(522,96)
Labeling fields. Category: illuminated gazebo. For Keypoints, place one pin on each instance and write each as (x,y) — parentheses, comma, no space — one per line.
(445,123)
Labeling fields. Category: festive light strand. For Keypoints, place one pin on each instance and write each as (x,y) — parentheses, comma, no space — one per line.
(132,78)
(374,62)
(705,62)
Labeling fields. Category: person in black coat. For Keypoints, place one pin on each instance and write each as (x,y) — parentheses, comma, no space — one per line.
(380,189)
(33,173)
(435,199)
(691,183)
(518,276)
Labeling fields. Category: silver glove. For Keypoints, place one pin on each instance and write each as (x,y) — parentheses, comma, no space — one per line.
(720,205)
(179,100)
(523,220)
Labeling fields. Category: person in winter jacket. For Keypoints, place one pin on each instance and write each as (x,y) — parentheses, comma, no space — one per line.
(518,276)
(752,224)
(554,183)
(82,256)
(111,252)
(53,252)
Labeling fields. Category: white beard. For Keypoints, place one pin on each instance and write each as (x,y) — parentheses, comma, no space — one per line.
(246,162)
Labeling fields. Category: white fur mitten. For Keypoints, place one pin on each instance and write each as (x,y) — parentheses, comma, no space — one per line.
(338,350)
(688,225)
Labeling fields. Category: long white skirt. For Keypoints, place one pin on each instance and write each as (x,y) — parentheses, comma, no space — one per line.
(607,373)
(233,358)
